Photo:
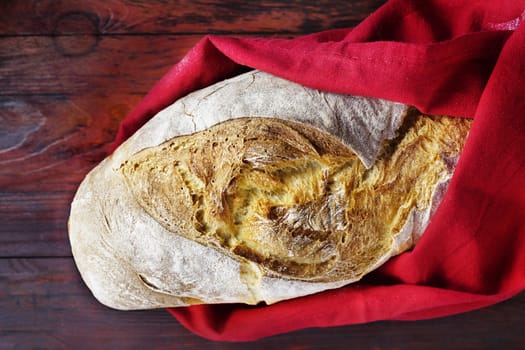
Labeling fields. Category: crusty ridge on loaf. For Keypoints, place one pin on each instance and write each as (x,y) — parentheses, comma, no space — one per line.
(195,208)
(291,199)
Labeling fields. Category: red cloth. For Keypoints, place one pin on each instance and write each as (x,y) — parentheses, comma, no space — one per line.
(461,58)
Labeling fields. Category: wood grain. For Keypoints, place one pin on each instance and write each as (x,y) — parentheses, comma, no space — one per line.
(47,146)
(88,65)
(154,17)
(44,301)
(56,138)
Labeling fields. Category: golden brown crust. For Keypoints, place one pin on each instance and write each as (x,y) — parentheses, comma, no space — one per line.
(129,228)
(290,198)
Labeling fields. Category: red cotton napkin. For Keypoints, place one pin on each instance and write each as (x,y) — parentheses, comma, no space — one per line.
(460,58)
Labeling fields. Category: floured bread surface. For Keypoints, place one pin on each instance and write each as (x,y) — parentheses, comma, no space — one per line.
(292,199)
(258,189)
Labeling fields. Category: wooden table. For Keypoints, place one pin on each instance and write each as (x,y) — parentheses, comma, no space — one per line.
(69,72)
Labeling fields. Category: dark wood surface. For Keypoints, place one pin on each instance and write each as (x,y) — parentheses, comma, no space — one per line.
(69,72)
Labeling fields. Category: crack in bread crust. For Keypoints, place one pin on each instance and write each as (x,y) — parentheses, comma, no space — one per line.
(289,198)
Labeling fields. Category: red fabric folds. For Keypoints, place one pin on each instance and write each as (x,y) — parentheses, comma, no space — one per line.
(462,58)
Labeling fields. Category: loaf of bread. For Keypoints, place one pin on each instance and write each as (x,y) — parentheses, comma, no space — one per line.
(257,189)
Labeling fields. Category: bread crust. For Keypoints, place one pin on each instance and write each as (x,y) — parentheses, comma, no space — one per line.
(259,189)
